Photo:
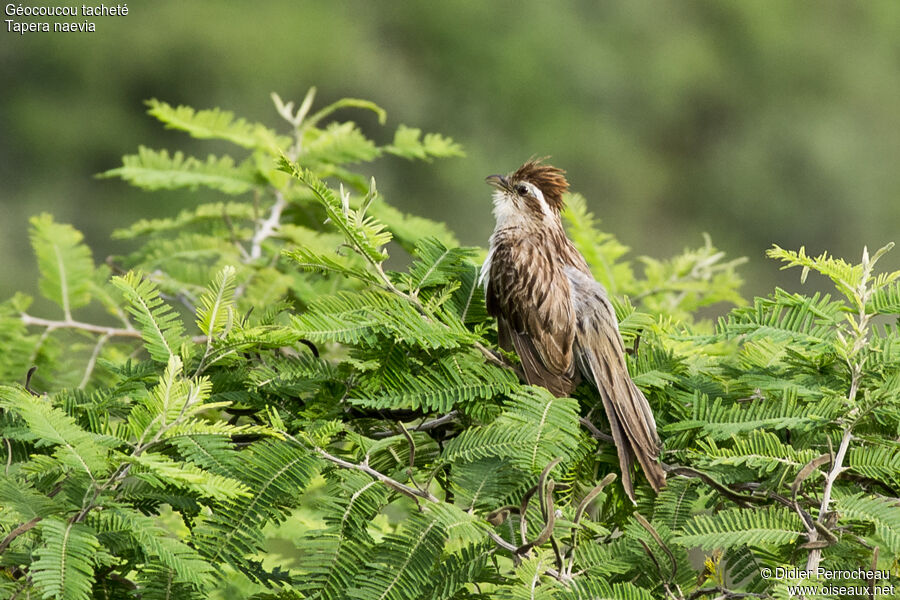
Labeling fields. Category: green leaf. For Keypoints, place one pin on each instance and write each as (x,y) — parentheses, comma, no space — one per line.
(161,327)
(156,170)
(883,513)
(309,260)
(24,500)
(364,234)
(216,310)
(332,557)
(65,565)
(65,263)
(403,562)
(337,144)
(407,143)
(185,562)
(160,471)
(276,474)
(50,426)
(534,429)
(363,317)
(218,124)
(769,526)
(439,386)
(436,264)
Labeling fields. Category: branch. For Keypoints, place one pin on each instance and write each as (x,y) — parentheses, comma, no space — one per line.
(365,468)
(596,433)
(815,555)
(267,228)
(93,361)
(743,499)
(862,295)
(17,532)
(129,332)
(426,426)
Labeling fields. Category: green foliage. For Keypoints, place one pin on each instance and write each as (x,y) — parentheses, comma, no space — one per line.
(65,264)
(159,171)
(267,410)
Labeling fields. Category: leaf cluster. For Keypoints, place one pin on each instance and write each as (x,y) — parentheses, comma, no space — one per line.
(253,405)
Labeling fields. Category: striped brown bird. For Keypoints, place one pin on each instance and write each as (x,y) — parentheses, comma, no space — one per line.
(556,317)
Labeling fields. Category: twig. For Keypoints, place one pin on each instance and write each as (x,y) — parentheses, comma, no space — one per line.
(815,555)
(93,361)
(585,422)
(72,324)
(267,228)
(8,455)
(449,417)
(17,532)
(365,468)
(862,294)
(392,483)
(722,489)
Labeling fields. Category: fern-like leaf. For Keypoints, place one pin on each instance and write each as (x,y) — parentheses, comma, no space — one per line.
(65,263)
(332,557)
(534,429)
(50,426)
(65,565)
(404,561)
(157,170)
(276,474)
(161,327)
(439,386)
(216,123)
(883,513)
(364,234)
(407,143)
(770,526)
(216,308)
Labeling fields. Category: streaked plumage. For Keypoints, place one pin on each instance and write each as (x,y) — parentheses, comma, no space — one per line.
(556,317)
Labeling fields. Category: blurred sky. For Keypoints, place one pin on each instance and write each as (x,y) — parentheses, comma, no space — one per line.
(759,122)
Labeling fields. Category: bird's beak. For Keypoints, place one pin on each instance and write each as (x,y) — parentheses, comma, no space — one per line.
(498,181)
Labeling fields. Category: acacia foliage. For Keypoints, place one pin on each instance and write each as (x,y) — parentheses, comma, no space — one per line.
(265,411)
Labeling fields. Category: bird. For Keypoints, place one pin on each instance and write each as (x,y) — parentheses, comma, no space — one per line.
(556,317)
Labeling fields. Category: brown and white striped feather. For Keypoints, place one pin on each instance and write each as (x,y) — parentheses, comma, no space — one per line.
(557,318)
(530,297)
(600,357)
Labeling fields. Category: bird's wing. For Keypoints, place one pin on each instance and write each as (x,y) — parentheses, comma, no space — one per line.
(600,357)
(534,316)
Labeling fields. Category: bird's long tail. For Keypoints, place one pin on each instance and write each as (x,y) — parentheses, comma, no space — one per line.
(630,417)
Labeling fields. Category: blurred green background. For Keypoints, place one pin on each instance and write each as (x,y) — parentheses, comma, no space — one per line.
(759,122)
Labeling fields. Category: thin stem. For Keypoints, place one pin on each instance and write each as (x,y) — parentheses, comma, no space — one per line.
(17,532)
(861,295)
(365,468)
(427,425)
(89,369)
(391,483)
(129,332)
(267,228)
(815,555)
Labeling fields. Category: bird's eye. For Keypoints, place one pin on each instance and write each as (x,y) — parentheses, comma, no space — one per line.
(521,190)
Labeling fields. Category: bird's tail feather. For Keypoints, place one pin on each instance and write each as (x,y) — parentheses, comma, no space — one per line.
(631,421)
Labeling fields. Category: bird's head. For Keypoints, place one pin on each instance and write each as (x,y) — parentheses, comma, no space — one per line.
(534,192)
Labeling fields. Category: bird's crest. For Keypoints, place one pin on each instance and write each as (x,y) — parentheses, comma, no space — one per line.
(549,179)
